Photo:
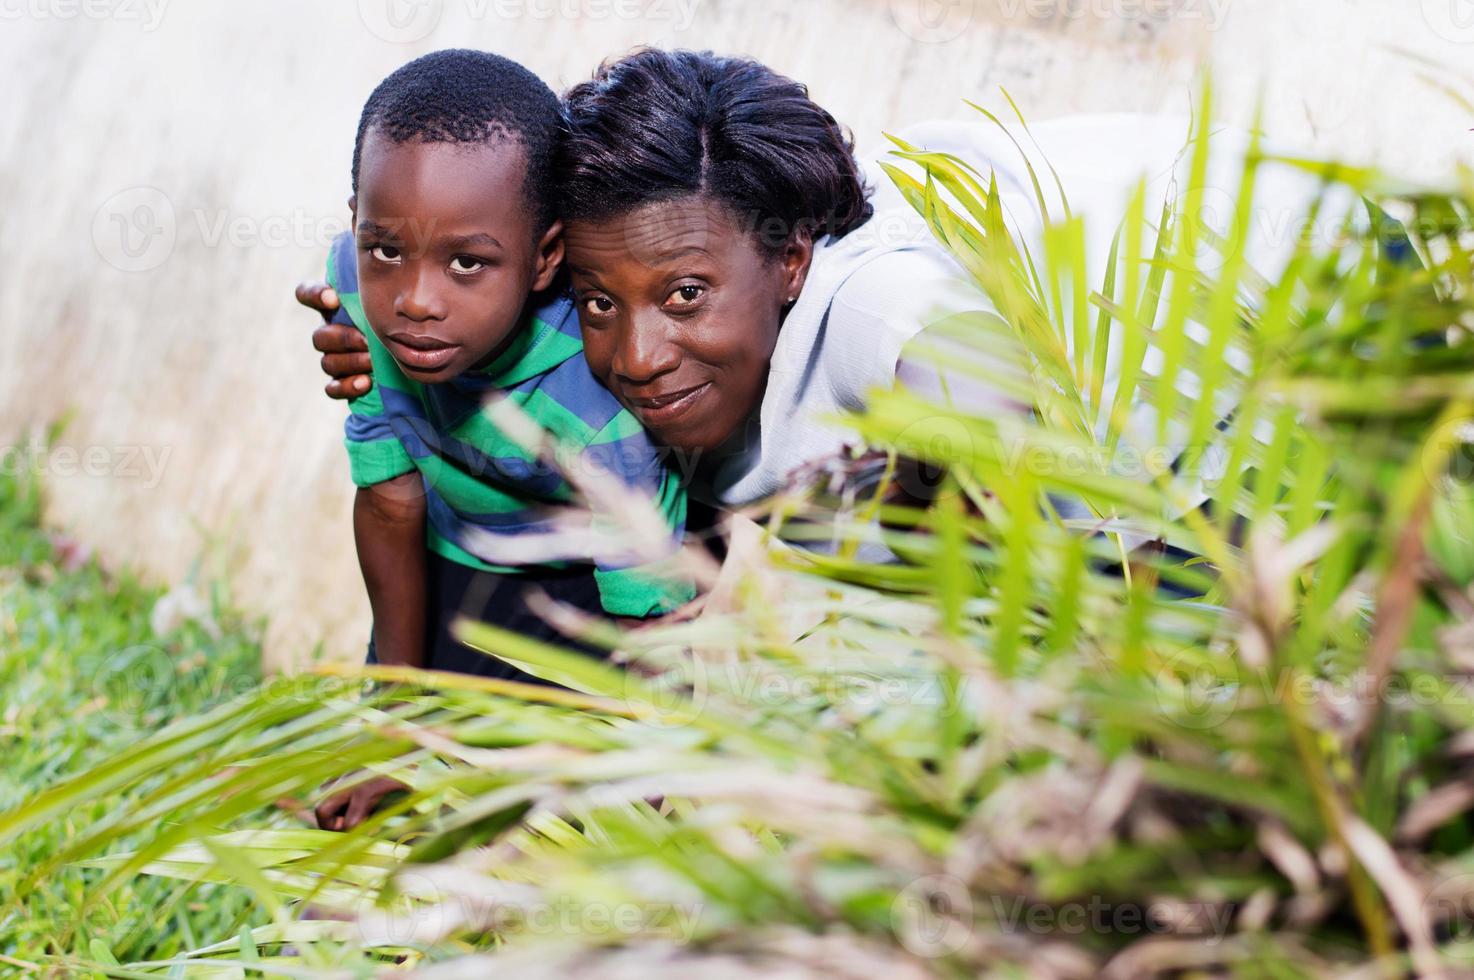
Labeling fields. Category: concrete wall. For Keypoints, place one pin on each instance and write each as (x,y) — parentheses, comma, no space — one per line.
(171,167)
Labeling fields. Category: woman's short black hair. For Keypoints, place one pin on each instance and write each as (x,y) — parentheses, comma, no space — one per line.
(657,125)
(462,96)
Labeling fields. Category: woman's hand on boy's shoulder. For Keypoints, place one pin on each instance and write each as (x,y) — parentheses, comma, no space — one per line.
(345,356)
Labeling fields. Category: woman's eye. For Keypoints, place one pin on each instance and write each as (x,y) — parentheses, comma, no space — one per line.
(685,295)
(466,265)
(598,306)
(385,253)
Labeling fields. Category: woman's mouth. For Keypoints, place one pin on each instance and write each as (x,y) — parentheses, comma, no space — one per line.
(420,353)
(667,407)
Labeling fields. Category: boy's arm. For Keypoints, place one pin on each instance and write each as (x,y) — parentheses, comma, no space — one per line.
(389,529)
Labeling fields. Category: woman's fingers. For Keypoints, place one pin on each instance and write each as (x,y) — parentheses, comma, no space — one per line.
(346,365)
(353,387)
(319,296)
(344,349)
(337,338)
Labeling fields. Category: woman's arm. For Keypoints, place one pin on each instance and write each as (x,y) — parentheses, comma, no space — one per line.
(345,353)
(389,529)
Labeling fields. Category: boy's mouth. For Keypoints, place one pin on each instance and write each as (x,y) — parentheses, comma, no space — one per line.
(421,353)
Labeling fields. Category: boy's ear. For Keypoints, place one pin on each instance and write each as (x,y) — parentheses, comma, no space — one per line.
(549,257)
(352,211)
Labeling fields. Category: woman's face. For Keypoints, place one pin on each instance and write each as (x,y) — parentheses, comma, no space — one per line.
(680,312)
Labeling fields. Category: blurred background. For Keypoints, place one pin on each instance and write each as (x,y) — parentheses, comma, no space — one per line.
(171,168)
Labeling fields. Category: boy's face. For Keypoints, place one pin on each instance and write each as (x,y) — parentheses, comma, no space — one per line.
(448,251)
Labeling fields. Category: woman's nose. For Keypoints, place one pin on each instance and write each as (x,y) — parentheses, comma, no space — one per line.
(645,351)
(418,300)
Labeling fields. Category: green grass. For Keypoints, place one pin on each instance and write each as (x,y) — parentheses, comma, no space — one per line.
(84,677)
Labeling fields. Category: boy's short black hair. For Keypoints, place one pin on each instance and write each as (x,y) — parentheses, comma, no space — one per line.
(464,96)
(655,125)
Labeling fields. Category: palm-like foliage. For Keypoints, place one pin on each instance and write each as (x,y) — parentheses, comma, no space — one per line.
(1030,747)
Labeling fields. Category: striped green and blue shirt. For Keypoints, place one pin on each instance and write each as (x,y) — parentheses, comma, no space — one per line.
(490,502)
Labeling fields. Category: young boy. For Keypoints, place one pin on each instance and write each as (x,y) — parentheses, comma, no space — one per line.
(451,272)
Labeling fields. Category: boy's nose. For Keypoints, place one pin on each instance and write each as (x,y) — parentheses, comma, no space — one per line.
(419,302)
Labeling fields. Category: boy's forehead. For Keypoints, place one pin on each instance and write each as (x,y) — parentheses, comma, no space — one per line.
(488,169)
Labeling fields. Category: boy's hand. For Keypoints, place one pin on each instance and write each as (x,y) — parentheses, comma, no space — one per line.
(348,808)
(345,352)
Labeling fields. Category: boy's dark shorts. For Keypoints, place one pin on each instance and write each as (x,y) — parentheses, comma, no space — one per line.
(457,590)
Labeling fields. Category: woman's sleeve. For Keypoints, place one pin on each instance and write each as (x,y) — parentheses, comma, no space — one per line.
(904,317)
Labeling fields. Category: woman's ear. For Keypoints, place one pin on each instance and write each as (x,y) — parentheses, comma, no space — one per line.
(798,254)
(549,257)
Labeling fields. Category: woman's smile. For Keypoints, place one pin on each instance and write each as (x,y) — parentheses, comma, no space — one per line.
(667,408)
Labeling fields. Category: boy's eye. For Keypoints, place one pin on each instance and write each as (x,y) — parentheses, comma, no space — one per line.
(685,295)
(466,265)
(385,253)
(598,306)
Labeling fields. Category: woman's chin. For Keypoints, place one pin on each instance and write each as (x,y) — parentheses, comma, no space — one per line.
(710,442)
